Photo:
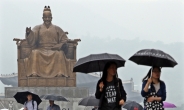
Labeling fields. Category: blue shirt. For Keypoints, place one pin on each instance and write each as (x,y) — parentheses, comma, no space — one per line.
(160,93)
(54,107)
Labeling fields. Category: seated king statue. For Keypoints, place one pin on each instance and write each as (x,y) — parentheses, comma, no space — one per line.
(47,40)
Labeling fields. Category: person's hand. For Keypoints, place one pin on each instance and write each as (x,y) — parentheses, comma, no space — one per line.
(151,99)
(101,85)
(25,108)
(28,30)
(121,102)
(149,81)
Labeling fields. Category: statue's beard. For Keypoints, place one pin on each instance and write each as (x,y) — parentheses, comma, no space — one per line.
(47,22)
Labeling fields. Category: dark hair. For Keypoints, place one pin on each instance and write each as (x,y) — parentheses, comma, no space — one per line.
(107,65)
(29,94)
(149,73)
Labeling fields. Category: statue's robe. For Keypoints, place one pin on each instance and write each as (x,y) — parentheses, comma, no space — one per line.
(43,61)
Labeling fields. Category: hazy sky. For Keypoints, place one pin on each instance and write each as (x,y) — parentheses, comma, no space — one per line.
(126,19)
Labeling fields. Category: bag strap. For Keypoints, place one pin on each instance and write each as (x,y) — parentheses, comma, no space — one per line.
(33,103)
(119,87)
(25,103)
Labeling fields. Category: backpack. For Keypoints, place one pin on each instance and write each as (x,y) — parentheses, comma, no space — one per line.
(32,104)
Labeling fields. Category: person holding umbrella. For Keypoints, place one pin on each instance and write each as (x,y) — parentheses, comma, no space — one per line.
(153,89)
(53,106)
(30,104)
(109,89)
(28,99)
(53,98)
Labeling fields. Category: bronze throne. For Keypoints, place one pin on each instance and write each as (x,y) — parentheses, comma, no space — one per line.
(24,50)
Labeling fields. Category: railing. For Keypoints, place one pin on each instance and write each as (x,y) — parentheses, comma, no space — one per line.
(9,75)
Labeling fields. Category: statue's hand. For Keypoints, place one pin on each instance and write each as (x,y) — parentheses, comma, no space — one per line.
(55,48)
(28,30)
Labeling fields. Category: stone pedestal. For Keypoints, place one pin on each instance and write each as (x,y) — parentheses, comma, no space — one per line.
(47,82)
(68,92)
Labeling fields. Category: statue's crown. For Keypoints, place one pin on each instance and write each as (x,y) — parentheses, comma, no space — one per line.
(47,8)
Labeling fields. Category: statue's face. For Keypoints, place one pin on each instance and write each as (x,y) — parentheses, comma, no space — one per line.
(47,17)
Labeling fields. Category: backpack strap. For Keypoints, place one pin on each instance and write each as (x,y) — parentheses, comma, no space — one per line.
(119,87)
(33,103)
(25,103)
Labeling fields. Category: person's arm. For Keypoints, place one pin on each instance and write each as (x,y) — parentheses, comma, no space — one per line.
(157,99)
(145,90)
(58,108)
(48,108)
(122,90)
(62,39)
(163,89)
(163,96)
(25,107)
(62,35)
(146,87)
(35,105)
(98,92)
(32,36)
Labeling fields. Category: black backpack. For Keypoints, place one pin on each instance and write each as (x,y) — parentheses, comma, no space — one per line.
(32,104)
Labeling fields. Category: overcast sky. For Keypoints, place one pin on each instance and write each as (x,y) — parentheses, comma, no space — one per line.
(126,19)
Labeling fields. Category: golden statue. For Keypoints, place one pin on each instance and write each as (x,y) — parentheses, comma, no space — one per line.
(49,50)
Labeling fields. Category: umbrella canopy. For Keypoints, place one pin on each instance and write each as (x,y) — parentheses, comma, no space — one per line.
(96,62)
(89,101)
(21,97)
(132,105)
(54,97)
(153,57)
(169,105)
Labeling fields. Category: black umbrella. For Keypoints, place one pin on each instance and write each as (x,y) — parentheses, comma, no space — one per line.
(21,97)
(132,105)
(54,97)
(89,101)
(153,57)
(96,62)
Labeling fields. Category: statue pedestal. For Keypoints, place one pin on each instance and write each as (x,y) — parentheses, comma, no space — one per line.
(68,92)
(47,82)
(73,94)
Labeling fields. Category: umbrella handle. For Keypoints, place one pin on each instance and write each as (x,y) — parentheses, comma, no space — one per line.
(99,69)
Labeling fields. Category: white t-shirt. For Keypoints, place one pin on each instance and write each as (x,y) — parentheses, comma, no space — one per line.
(157,86)
(29,105)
